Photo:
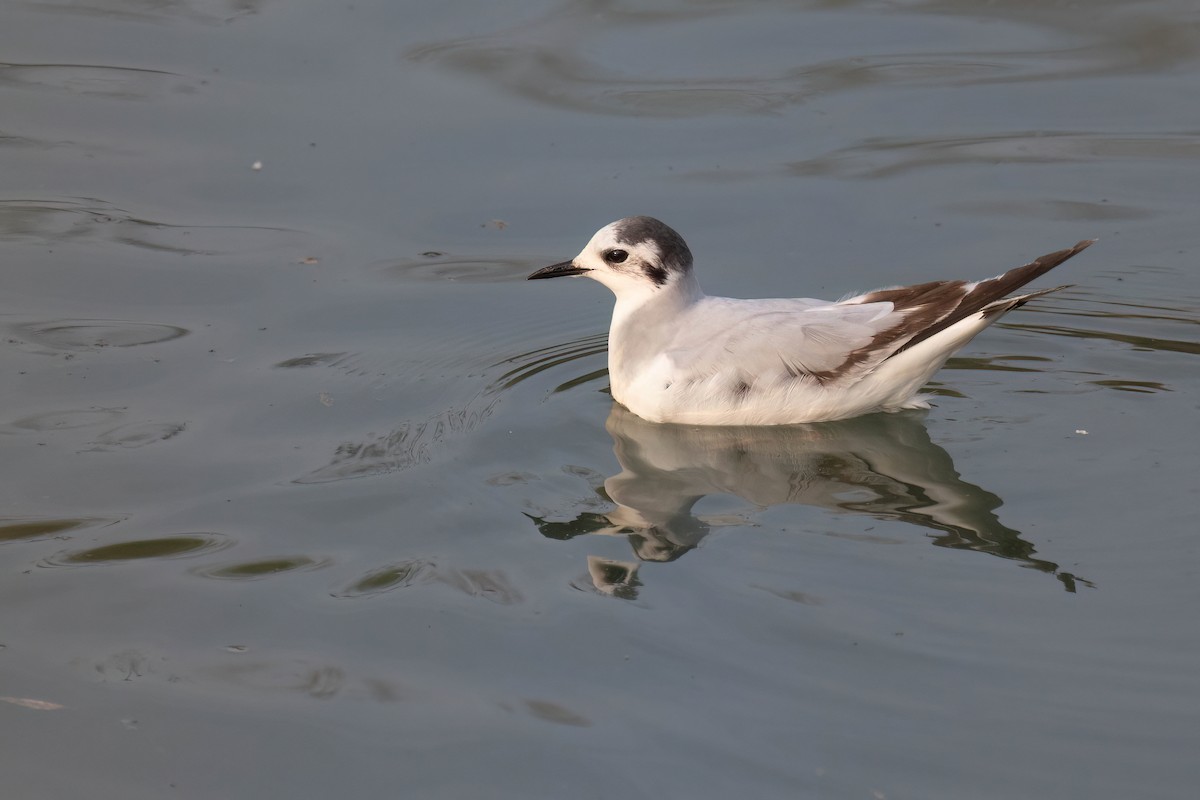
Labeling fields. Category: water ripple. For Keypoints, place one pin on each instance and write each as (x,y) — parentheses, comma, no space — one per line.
(210,12)
(883,157)
(435,266)
(1149,325)
(262,568)
(86,219)
(605,58)
(385,579)
(134,435)
(413,442)
(176,546)
(14,529)
(492,585)
(68,419)
(126,83)
(407,445)
(558,76)
(94,334)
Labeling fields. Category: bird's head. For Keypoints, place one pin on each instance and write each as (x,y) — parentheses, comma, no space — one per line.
(634,255)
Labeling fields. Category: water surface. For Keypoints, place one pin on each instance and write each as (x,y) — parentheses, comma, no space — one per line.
(307,493)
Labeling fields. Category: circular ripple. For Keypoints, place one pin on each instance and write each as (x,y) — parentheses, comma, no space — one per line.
(92,334)
(181,545)
(253,570)
(442,267)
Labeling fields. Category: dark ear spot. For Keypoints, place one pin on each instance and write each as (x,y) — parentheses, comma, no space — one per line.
(656,274)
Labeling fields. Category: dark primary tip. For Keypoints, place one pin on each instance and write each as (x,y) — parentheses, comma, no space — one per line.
(559,270)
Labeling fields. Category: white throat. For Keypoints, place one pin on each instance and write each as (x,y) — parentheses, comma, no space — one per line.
(634,297)
(645,320)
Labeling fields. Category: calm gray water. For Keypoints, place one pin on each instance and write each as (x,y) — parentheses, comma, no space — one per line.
(307,494)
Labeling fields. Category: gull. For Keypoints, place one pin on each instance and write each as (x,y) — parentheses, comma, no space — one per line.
(677,355)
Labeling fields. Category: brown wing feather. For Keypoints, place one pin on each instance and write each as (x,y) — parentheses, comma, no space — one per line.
(929,308)
(922,304)
(987,292)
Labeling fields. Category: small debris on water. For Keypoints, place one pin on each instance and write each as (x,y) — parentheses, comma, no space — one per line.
(29,702)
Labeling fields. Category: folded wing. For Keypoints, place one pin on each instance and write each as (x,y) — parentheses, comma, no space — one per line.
(756,340)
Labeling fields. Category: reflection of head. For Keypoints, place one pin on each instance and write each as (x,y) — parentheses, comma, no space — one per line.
(618,578)
(653,545)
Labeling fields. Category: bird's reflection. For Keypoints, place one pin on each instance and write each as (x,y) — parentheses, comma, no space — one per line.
(883,465)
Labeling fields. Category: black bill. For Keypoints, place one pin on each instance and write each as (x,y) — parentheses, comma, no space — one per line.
(557,271)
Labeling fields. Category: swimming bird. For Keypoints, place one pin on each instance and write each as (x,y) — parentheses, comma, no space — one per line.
(678,355)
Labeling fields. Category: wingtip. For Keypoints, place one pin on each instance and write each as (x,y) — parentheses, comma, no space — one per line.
(1084,245)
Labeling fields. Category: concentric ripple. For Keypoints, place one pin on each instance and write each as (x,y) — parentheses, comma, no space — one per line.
(93,334)
(434,266)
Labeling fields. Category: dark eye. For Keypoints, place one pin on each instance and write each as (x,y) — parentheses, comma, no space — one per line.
(616,256)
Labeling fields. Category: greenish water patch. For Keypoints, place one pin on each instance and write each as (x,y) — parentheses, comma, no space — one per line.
(16,528)
(252,570)
(188,544)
